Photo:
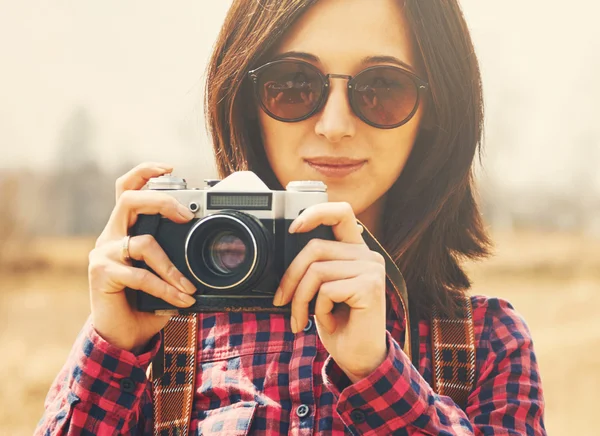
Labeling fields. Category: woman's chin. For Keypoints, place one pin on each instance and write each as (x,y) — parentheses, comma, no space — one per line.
(352,197)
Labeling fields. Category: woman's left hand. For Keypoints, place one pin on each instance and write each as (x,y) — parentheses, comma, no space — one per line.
(344,271)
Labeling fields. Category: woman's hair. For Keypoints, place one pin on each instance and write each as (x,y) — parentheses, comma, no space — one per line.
(431,220)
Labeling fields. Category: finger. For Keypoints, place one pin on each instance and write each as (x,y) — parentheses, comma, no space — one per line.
(133,203)
(143,280)
(315,251)
(137,177)
(317,274)
(331,314)
(147,249)
(338,215)
(330,294)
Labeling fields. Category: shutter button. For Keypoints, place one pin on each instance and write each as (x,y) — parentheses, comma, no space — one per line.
(358,416)
(309,325)
(127,385)
(302,410)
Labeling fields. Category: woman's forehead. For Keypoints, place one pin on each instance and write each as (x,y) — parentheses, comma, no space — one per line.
(342,33)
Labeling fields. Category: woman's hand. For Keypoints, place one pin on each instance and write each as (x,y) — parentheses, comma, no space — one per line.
(342,271)
(109,272)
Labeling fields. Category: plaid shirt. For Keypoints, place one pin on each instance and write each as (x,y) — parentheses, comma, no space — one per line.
(255,376)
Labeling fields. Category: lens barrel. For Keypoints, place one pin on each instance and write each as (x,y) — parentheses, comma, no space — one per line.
(228,250)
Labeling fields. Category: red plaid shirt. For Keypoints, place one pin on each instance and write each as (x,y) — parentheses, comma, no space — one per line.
(255,376)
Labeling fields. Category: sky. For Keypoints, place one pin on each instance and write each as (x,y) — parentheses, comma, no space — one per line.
(137,69)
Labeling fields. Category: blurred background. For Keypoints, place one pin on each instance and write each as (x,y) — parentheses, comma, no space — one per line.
(90,89)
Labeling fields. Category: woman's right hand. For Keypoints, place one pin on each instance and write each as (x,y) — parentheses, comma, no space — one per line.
(110,273)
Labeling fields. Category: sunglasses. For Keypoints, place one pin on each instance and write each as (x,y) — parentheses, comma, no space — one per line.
(382,96)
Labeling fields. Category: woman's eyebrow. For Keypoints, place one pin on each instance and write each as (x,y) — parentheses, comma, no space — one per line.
(388,60)
(297,54)
(379,59)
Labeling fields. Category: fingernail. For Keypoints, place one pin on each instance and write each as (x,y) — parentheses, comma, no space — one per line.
(184,212)
(277,299)
(187,299)
(187,286)
(296,224)
(293,324)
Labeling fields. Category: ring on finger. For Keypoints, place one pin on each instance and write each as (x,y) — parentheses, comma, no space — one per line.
(125,249)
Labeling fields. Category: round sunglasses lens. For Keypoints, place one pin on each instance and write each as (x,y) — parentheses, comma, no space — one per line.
(385,96)
(289,90)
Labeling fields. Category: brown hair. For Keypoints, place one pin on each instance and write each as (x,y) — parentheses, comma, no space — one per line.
(431,219)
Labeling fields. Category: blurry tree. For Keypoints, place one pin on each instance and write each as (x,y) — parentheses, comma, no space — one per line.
(79,191)
(8,212)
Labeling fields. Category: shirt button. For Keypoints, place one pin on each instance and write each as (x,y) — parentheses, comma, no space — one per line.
(302,410)
(358,416)
(309,325)
(127,385)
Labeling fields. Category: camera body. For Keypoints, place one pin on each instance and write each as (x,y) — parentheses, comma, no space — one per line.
(237,247)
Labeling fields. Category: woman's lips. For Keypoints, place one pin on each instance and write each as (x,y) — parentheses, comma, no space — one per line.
(336,167)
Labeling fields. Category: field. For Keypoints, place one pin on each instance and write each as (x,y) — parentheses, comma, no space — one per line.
(552,279)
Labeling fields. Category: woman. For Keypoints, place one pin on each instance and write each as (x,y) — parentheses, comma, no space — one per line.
(381,100)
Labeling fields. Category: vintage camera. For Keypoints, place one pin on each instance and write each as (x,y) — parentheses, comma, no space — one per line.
(237,247)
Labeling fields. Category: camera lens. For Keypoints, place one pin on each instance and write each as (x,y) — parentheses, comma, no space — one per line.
(227,250)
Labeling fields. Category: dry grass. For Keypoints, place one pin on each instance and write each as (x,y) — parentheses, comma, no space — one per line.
(552,279)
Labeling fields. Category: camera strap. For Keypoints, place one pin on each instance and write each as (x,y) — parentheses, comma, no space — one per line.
(452,338)
(173,386)
(395,281)
(173,369)
(453,352)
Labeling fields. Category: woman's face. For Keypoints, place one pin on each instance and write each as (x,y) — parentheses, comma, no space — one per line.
(357,162)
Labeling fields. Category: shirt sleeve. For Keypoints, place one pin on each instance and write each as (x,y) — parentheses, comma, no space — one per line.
(506,400)
(101,389)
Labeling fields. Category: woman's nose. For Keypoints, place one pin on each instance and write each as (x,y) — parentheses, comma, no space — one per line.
(336,121)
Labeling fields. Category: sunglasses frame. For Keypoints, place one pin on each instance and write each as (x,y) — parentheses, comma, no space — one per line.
(420,86)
